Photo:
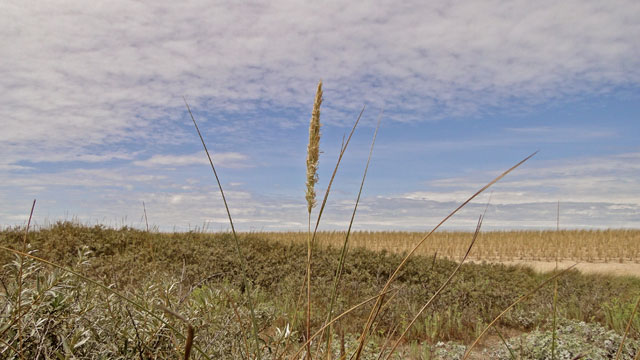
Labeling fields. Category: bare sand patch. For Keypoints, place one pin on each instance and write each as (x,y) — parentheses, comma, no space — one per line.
(611,268)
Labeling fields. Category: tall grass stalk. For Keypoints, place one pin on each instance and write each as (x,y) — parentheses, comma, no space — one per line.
(374,311)
(324,202)
(313,153)
(333,175)
(146,221)
(241,258)
(343,251)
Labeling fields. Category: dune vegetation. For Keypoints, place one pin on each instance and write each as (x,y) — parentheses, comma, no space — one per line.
(197,275)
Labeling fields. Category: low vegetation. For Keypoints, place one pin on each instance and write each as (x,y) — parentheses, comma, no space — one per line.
(196,275)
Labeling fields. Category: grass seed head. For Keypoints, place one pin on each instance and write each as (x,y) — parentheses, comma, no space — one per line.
(313,150)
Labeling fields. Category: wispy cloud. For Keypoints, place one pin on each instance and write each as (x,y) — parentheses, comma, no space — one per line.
(112,72)
(590,191)
(230,159)
(549,134)
(92,109)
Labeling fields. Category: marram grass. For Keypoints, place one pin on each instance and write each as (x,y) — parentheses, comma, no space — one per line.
(313,150)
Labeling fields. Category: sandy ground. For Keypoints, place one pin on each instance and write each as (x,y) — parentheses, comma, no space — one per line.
(613,268)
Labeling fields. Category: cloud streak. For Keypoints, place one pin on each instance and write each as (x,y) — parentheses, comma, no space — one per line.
(527,198)
(230,159)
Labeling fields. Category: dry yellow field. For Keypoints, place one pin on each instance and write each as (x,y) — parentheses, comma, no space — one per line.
(589,246)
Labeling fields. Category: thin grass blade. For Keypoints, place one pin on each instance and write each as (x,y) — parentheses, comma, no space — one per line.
(343,252)
(241,258)
(376,307)
(442,287)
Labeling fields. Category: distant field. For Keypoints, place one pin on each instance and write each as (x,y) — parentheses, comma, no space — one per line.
(620,246)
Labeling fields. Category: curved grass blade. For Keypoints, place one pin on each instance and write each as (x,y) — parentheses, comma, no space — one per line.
(504,342)
(241,258)
(442,287)
(343,252)
(333,175)
(376,307)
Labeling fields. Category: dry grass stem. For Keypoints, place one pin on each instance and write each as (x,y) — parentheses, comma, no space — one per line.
(343,252)
(241,258)
(376,307)
(442,287)
(313,154)
(323,204)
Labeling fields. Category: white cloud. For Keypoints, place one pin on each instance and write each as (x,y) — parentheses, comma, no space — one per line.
(230,159)
(10,167)
(102,81)
(83,74)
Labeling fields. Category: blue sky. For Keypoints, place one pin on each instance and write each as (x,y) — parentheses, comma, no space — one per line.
(92,119)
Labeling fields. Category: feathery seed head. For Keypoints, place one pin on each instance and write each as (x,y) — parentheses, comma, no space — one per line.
(313,150)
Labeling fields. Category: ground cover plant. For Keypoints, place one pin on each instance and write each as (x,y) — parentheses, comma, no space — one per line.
(74,291)
(197,275)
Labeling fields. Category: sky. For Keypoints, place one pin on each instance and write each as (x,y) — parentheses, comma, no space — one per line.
(93,121)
